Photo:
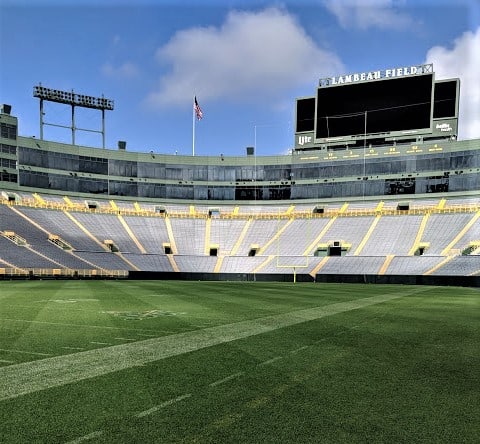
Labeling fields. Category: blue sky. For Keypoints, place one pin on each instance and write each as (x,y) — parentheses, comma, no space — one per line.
(246,61)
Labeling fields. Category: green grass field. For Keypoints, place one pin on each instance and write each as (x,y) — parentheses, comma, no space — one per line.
(211,362)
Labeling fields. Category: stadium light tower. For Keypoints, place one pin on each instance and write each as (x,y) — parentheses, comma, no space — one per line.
(72,99)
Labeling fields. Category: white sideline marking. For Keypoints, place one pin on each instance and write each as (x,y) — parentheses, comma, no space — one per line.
(29,377)
(73,348)
(100,343)
(86,437)
(162,405)
(25,352)
(270,361)
(149,336)
(125,339)
(299,349)
(228,378)
(6,361)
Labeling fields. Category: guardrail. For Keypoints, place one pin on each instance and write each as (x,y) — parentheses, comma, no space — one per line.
(301,214)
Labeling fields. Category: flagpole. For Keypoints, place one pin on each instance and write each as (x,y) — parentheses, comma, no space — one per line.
(193,126)
(197,113)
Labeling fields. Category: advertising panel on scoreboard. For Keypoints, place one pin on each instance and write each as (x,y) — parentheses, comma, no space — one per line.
(386,107)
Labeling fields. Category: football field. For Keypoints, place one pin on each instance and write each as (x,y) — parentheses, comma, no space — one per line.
(237,362)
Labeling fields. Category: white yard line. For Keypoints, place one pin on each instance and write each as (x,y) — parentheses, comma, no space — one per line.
(228,378)
(100,343)
(299,349)
(62,324)
(6,361)
(29,377)
(86,437)
(73,348)
(162,405)
(270,361)
(25,352)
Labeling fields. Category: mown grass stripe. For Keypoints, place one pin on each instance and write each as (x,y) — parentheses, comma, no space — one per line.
(29,377)
(162,405)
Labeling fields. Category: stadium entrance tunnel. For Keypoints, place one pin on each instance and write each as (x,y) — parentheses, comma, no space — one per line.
(92,204)
(111,245)
(333,248)
(422,247)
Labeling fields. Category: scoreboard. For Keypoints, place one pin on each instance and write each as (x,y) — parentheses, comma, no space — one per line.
(379,107)
(398,104)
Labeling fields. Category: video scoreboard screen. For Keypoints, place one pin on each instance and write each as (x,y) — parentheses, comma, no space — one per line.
(385,106)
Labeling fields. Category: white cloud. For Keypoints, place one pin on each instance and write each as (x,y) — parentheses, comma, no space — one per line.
(252,56)
(364,14)
(126,70)
(463,61)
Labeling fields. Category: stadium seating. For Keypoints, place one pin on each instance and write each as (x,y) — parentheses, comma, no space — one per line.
(371,237)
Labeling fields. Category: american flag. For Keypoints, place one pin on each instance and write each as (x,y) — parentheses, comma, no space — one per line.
(198,110)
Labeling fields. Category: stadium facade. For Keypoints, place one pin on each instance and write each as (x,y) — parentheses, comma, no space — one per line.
(398,136)
(376,189)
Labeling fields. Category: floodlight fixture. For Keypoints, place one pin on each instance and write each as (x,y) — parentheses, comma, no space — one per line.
(72,99)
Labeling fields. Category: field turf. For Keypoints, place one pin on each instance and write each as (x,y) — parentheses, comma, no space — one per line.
(211,362)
